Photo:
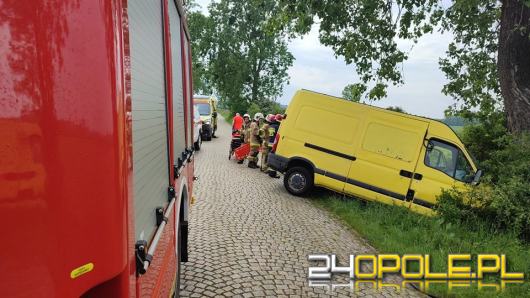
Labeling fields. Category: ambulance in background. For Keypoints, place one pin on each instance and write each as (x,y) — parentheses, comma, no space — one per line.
(96,150)
(207,106)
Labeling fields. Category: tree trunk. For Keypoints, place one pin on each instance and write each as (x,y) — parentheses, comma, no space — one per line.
(514,64)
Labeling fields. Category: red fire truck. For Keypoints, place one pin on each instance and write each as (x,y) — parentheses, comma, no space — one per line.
(96,147)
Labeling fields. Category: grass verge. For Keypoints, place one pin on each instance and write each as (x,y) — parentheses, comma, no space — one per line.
(393,229)
(227,115)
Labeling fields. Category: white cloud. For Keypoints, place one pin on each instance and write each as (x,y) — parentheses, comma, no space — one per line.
(316,68)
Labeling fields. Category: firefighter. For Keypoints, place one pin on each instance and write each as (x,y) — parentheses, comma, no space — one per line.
(245,133)
(265,132)
(255,141)
(237,123)
(245,128)
(273,130)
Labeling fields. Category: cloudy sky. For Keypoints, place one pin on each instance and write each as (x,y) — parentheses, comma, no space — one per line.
(316,68)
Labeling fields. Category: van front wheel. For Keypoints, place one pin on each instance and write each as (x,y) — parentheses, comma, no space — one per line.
(298,181)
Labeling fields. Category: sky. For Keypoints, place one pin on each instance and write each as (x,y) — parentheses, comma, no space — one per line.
(316,68)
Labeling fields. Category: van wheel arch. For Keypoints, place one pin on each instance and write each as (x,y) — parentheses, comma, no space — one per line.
(300,162)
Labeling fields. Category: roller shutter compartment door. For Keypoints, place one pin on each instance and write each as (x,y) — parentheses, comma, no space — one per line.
(188,87)
(179,132)
(149,114)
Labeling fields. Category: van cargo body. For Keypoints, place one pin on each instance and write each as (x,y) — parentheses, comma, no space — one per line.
(96,150)
(368,152)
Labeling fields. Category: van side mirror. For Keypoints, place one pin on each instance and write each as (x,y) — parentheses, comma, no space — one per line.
(476,179)
(214,114)
(429,146)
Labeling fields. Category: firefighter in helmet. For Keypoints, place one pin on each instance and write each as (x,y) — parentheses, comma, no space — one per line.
(274,126)
(245,132)
(255,141)
(265,133)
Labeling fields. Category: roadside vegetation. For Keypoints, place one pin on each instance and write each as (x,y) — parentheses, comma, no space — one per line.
(227,115)
(393,229)
(502,201)
(493,217)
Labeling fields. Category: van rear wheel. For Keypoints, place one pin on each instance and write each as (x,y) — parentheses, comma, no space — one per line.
(298,181)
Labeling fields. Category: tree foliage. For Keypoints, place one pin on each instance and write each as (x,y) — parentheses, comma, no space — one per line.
(353,92)
(201,28)
(366,34)
(396,109)
(238,57)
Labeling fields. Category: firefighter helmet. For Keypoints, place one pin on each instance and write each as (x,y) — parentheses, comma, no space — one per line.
(258,116)
(270,117)
(279,117)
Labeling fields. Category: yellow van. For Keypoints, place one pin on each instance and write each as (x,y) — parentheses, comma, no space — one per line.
(368,152)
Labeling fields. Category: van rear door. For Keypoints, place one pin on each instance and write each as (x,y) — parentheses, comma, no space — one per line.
(325,133)
(386,158)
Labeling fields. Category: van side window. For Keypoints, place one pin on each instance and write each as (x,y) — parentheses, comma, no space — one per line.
(448,159)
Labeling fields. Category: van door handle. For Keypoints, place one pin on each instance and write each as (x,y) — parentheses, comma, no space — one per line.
(408,174)
(405,173)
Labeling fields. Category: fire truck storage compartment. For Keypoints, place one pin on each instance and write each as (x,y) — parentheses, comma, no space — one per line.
(149,114)
(187,73)
(179,139)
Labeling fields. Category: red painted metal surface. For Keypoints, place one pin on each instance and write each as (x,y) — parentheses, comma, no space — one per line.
(62,203)
(66,163)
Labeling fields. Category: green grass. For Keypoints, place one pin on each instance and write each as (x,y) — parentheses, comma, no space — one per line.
(393,229)
(227,115)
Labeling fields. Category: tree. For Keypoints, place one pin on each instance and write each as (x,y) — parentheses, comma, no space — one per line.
(239,57)
(396,109)
(201,28)
(353,92)
(487,64)
(514,63)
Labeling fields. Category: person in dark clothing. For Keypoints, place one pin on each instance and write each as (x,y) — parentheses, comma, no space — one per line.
(274,126)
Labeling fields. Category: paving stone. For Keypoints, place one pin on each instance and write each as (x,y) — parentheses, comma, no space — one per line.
(249,237)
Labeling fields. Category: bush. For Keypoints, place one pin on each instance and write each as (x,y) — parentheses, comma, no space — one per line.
(503,198)
(484,139)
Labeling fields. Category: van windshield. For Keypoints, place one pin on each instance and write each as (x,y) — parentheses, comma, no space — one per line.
(204,108)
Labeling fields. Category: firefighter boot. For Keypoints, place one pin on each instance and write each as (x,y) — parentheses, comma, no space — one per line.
(273,174)
(252,164)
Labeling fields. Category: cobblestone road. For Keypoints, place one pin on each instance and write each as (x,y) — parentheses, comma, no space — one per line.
(250,238)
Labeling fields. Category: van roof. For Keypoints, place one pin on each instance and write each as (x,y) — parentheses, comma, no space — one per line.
(433,122)
(407,115)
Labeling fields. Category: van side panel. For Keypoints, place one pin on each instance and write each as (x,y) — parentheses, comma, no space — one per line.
(390,141)
(386,159)
(324,132)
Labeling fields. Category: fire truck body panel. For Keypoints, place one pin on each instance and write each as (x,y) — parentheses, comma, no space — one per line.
(69,182)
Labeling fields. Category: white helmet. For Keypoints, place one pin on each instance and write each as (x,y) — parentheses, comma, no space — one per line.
(270,117)
(258,116)
(247,116)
